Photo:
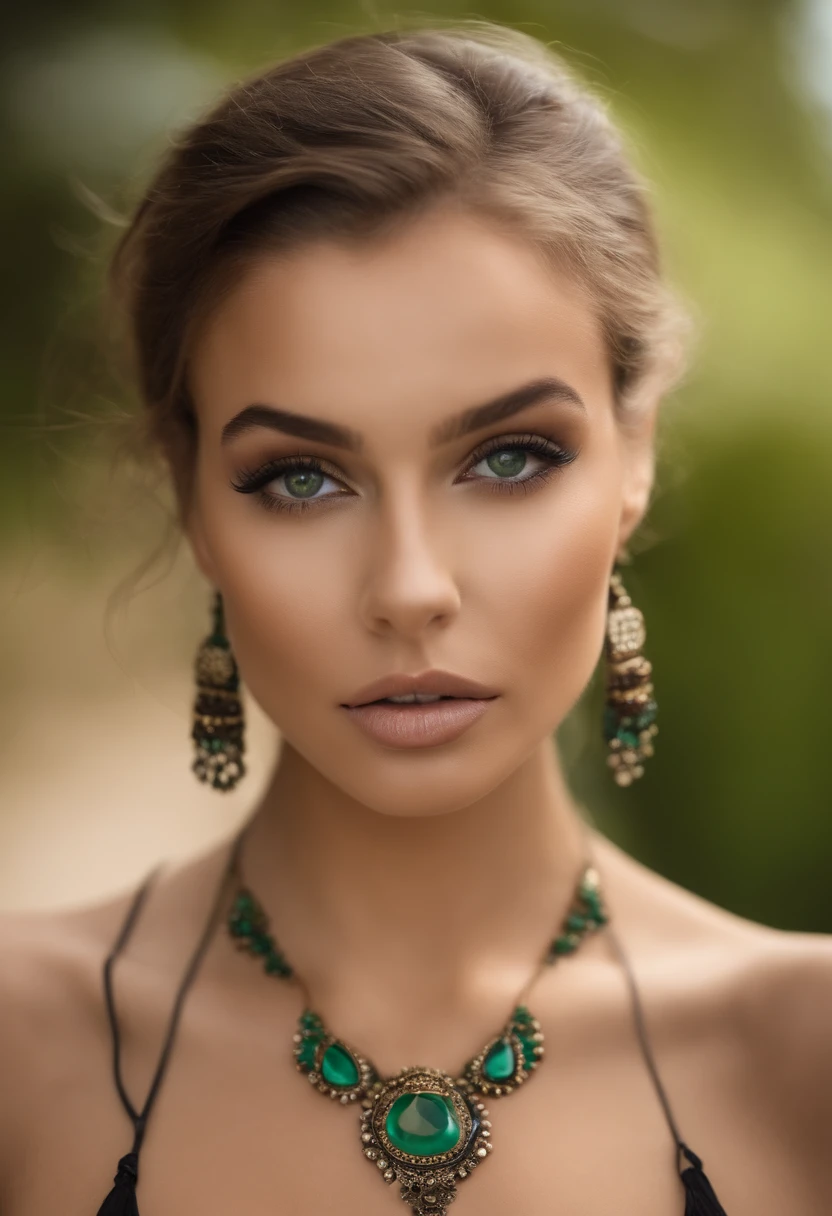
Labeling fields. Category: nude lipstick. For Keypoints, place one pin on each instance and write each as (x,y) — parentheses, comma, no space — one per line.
(419,710)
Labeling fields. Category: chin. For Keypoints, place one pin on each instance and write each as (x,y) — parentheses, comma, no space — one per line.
(421,783)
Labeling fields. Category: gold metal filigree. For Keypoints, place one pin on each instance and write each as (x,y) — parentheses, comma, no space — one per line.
(428,1184)
(367,1075)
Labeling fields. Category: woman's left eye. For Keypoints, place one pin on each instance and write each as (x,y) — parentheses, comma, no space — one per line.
(520,459)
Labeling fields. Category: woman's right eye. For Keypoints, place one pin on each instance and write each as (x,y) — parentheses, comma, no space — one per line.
(301,480)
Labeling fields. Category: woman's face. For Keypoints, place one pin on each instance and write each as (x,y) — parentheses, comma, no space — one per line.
(375,515)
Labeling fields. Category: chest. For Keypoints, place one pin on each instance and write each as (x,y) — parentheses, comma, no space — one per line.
(236,1129)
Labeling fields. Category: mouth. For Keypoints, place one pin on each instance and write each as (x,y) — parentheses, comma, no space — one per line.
(425,688)
(419,699)
(398,717)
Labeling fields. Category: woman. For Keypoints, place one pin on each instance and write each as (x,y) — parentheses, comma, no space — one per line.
(401,335)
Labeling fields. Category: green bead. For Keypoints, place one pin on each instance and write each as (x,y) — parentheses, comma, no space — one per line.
(628,738)
(576,922)
(593,903)
(500,1064)
(260,944)
(529,1054)
(522,1016)
(309,1020)
(647,716)
(306,1054)
(338,1068)
(564,944)
(276,965)
(611,721)
(241,927)
(423,1124)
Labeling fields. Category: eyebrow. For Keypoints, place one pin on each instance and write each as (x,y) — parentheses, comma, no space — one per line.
(546,388)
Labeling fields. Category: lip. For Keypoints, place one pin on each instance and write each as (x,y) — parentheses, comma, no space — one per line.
(419,725)
(439,683)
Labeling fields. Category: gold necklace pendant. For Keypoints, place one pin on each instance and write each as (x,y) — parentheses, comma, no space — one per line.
(421,1130)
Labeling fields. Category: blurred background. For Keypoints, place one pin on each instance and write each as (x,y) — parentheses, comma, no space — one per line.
(728,108)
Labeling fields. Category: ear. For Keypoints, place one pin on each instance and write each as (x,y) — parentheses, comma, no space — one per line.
(640,469)
(199,545)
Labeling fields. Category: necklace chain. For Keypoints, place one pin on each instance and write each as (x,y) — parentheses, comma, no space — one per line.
(422,1128)
(249,926)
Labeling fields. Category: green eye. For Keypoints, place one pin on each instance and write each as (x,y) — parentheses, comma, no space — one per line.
(303,483)
(507,462)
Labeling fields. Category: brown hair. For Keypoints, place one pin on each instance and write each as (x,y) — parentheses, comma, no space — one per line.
(353,136)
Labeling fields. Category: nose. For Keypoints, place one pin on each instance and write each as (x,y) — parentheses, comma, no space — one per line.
(409,587)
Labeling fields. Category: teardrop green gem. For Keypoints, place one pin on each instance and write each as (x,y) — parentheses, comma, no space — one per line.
(423,1124)
(500,1064)
(339,1068)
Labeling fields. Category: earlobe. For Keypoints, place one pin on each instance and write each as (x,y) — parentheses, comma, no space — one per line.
(636,496)
(199,547)
(633,510)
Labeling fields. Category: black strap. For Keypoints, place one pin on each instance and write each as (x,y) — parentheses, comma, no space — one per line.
(699,1194)
(122,1197)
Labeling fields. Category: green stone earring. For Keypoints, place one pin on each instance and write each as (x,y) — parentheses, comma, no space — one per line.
(630,710)
(218,712)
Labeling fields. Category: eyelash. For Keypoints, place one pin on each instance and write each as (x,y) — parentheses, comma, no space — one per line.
(253,481)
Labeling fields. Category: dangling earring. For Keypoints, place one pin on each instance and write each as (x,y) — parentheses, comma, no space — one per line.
(629,711)
(218,712)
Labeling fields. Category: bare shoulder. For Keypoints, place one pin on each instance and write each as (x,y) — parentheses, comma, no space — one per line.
(53,1019)
(50,966)
(760,997)
(51,1010)
(51,961)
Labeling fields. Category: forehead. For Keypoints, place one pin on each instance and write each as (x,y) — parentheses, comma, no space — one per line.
(439,315)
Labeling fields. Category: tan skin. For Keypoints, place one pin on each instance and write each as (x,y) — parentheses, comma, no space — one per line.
(415,889)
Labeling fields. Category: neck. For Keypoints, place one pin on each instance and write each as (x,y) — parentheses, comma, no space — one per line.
(359,897)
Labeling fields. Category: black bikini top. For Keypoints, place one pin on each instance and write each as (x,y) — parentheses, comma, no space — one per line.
(700,1199)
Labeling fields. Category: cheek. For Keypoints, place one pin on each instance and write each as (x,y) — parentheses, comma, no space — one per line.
(287,599)
(548,588)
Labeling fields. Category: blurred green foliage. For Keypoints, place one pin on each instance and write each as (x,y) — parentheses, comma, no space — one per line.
(717,97)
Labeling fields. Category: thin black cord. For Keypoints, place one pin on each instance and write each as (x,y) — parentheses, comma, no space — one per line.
(121,942)
(701,1199)
(643,1037)
(639,1019)
(139,1118)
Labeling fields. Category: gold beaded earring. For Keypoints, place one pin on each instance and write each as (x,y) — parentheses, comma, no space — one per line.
(218,712)
(630,710)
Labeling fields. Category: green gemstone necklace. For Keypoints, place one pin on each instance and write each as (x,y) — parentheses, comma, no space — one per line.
(421,1128)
